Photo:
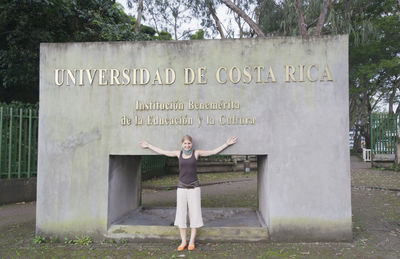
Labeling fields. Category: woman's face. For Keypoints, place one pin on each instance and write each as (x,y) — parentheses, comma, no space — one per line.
(187,145)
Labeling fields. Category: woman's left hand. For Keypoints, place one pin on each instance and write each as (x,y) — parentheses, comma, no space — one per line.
(231,141)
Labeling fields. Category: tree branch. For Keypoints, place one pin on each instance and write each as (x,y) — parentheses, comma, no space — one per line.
(308,26)
(245,17)
(380,97)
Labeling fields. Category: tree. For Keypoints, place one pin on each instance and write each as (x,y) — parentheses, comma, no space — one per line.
(245,17)
(164,15)
(25,24)
(313,17)
(374,61)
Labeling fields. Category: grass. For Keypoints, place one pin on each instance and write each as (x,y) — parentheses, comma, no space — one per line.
(172,180)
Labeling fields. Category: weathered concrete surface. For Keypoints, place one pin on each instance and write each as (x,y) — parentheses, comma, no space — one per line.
(302,126)
(212,217)
(124,186)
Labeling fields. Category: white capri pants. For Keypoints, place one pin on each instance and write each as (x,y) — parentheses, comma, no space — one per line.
(188,198)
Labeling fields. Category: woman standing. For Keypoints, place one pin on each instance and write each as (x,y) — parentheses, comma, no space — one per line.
(188,192)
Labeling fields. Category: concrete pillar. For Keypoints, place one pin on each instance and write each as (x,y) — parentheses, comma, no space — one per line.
(262,162)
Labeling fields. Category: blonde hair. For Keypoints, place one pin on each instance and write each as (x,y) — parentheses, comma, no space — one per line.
(187,137)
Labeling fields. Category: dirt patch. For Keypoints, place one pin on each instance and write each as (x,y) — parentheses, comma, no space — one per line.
(17,213)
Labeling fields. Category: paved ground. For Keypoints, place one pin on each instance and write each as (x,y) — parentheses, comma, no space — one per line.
(376,226)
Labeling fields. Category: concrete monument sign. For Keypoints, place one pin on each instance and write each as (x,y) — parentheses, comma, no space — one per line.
(285,98)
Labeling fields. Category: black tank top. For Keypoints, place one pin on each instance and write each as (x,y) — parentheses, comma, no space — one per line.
(187,169)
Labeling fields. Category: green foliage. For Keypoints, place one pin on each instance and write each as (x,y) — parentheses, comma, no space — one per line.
(396,168)
(374,60)
(273,18)
(164,35)
(25,24)
(199,35)
(39,240)
(68,241)
(84,240)
(147,30)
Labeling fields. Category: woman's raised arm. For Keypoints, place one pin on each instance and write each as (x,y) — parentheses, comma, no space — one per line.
(145,144)
(230,141)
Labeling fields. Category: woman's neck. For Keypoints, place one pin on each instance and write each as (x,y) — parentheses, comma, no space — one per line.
(187,152)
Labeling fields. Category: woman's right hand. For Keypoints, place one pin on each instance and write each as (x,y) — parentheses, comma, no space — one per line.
(143,144)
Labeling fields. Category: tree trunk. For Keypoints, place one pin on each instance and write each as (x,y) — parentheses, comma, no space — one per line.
(357,141)
(139,16)
(397,155)
(396,86)
(245,17)
(390,104)
(391,100)
(398,7)
(300,19)
(322,17)
(175,28)
(367,126)
(367,136)
(217,22)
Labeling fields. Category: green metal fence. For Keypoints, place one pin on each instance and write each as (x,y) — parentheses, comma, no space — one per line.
(150,163)
(18,142)
(384,132)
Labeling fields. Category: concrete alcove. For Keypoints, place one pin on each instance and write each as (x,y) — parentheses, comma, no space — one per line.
(128,219)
